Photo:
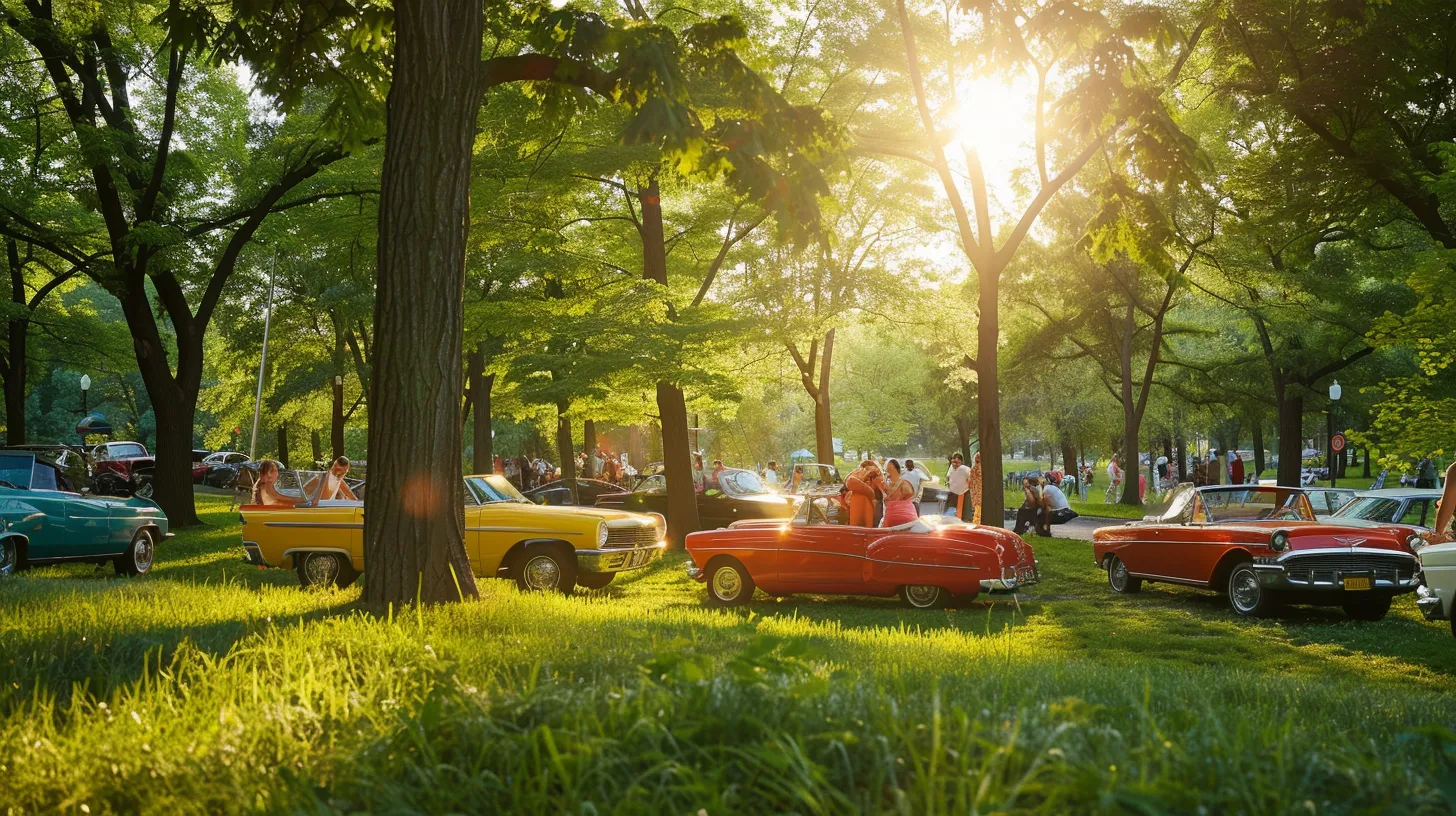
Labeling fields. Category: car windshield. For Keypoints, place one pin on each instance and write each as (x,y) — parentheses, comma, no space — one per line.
(811,476)
(1371,508)
(741,483)
(494,488)
(1254,504)
(820,511)
(15,468)
(653,484)
(1177,504)
(1326,502)
(128,450)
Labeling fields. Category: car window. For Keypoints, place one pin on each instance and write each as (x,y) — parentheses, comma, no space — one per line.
(1371,508)
(491,489)
(653,484)
(741,482)
(42,478)
(125,450)
(16,469)
(1255,504)
(1417,513)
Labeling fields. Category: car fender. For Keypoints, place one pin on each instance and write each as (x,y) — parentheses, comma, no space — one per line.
(520,548)
(1225,565)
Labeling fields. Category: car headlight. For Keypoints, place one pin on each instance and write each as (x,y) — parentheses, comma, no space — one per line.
(659,521)
(1279,542)
(601,535)
(1416,541)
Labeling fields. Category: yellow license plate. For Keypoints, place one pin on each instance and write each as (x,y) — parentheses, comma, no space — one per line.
(1362,582)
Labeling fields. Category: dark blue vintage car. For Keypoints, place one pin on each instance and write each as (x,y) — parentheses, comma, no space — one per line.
(44,519)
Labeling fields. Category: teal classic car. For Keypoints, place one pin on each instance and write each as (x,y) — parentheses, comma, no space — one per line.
(44,519)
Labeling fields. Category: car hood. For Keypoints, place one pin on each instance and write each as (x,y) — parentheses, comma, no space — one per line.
(767,499)
(605,514)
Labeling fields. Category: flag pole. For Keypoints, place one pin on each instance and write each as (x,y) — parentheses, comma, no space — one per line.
(263,361)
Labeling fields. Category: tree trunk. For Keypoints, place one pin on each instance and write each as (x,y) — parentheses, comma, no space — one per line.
(1257,429)
(672,409)
(963,435)
(1130,419)
(414,531)
(283,445)
(823,430)
(172,474)
(635,447)
(988,399)
(589,444)
(317,443)
(481,443)
(336,422)
(15,382)
(564,451)
(1291,440)
(1365,461)
(1069,455)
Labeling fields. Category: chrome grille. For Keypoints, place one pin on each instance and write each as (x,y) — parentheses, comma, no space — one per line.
(639,536)
(1325,568)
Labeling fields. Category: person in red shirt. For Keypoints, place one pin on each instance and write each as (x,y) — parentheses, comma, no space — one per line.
(862,485)
(1236,467)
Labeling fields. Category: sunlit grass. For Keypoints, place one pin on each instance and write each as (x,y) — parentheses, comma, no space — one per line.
(208,687)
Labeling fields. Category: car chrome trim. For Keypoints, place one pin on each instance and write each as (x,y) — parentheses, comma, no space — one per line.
(841,555)
(1168,578)
(1375,551)
(323,525)
(618,559)
(535,530)
(339,550)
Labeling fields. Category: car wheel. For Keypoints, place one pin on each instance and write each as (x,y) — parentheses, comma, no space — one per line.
(137,560)
(325,569)
(595,580)
(1247,596)
(729,584)
(1120,579)
(546,569)
(9,557)
(920,596)
(1367,609)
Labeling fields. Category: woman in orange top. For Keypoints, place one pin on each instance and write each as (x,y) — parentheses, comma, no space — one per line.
(861,484)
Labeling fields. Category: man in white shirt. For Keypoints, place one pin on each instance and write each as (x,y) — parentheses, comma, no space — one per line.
(913,476)
(957,481)
(771,474)
(1059,510)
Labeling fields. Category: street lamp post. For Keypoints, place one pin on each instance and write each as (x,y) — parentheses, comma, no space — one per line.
(85,410)
(1330,431)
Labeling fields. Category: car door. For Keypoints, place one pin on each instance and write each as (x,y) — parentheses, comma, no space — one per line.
(819,555)
(48,500)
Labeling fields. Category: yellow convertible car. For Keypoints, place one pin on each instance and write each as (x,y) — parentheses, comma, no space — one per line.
(506,536)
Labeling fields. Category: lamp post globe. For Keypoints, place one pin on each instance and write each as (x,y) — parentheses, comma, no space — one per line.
(1330,464)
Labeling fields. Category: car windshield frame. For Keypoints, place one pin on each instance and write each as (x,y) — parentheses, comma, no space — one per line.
(1295,500)
(494,489)
(731,481)
(1363,507)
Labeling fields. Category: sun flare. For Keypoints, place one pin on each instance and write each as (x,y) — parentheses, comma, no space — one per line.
(996,117)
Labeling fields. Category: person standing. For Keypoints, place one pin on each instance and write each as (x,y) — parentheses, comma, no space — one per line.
(700,479)
(913,476)
(771,474)
(1114,478)
(899,497)
(1426,474)
(1236,468)
(860,485)
(958,482)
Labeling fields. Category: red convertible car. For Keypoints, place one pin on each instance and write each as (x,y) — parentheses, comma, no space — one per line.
(929,562)
(1263,547)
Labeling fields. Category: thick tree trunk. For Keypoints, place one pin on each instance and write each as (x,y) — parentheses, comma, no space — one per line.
(564,450)
(172,475)
(1069,456)
(1291,440)
(589,444)
(336,421)
(963,435)
(988,400)
(316,442)
(283,445)
(672,410)
(1130,419)
(414,530)
(15,373)
(481,442)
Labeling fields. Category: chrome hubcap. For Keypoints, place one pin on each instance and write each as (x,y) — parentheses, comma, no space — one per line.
(7,557)
(1119,574)
(922,595)
(542,572)
(1245,590)
(142,553)
(726,583)
(321,568)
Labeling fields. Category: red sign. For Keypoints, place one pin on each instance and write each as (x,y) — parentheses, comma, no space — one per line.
(1337,443)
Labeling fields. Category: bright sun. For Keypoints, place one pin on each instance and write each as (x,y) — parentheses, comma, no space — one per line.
(996,116)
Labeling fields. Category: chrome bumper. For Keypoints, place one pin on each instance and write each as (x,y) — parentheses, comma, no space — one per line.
(618,560)
(252,556)
(1013,578)
(1430,603)
(695,573)
(1274,574)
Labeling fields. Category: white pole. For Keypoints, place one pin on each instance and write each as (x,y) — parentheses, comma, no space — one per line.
(263,361)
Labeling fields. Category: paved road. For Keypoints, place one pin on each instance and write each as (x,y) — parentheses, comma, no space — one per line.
(1080,528)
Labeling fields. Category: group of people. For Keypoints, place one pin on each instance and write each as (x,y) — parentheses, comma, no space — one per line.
(870,491)
(326,486)
(523,471)
(1044,505)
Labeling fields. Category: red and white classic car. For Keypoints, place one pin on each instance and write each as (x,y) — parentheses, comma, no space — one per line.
(1263,547)
(929,562)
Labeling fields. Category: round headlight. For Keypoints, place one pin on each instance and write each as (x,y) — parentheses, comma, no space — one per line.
(660,522)
(601,535)
(1279,542)
(1415,542)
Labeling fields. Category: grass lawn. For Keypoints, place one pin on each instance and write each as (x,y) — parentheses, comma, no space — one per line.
(206,687)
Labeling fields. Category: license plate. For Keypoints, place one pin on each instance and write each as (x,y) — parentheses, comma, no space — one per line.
(1360,582)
